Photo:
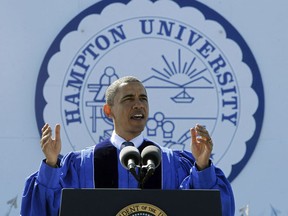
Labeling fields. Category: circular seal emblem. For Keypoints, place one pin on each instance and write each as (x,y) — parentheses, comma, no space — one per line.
(194,64)
(141,209)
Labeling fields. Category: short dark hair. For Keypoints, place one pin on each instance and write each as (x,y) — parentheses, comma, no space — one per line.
(113,88)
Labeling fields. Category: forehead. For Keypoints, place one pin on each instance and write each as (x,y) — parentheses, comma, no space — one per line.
(131,88)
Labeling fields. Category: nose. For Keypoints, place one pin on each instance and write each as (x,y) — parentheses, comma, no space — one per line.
(138,104)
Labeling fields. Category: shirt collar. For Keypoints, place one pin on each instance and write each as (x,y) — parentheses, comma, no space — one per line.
(117,141)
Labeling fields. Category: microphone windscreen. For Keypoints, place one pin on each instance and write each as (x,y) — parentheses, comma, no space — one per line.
(153,153)
(127,153)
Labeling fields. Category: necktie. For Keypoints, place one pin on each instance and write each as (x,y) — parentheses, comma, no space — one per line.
(124,144)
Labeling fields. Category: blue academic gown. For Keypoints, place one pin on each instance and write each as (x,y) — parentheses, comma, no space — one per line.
(42,190)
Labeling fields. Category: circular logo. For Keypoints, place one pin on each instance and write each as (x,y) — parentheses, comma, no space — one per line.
(141,209)
(195,66)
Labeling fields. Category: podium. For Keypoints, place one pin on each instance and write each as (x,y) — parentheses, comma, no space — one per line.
(132,202)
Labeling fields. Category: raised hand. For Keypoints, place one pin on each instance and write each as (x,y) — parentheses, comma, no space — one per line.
(201,146)
(51,147)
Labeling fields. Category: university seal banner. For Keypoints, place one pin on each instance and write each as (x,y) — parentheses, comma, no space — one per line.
(195,66)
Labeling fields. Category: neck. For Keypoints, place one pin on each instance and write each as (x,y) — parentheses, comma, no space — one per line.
(128,136)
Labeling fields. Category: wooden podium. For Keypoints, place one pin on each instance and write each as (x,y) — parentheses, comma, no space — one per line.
(135,202)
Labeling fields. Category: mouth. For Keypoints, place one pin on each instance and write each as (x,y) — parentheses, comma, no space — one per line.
(138,116)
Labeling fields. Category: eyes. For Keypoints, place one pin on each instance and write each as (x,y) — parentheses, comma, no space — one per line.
(144,98)
(132,98)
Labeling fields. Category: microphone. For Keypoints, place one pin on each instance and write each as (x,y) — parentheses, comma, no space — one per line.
(151,158)
(130,158)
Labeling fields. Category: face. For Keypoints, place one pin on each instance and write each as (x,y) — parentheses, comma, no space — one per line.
(130,110)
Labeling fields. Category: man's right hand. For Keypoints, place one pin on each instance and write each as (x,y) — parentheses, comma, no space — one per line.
(51,147)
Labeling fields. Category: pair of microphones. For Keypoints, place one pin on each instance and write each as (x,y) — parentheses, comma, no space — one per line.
(147,162)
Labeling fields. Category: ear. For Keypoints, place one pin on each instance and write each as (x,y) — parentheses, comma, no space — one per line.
(107,110)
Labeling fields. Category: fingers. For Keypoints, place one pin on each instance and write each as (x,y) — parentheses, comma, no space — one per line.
(193,134)
(46,134)
(57,132)
(201,135)
(51,147)
(201,131)
(201,146)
